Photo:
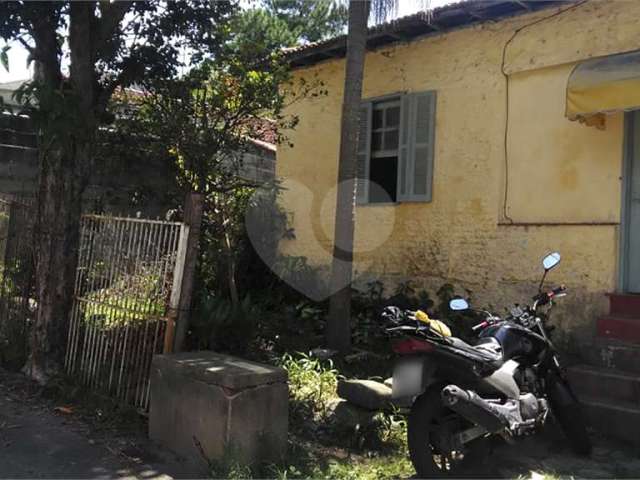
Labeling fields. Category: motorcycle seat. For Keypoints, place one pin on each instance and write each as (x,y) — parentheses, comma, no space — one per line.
(488,349)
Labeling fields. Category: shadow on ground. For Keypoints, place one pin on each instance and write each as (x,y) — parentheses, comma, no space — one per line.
(36,443)
(548,456)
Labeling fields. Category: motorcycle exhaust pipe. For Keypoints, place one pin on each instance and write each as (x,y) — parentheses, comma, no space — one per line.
(472,407)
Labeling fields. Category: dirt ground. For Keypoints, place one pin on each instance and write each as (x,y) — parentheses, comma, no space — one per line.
(547,456)
(39,439)
(44,438)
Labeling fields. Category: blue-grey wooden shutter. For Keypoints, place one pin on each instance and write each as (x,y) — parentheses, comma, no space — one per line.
(364,154)
(403,148)
(417,140)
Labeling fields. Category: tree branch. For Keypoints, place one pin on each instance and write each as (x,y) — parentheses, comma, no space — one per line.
(25,44)
(111,14)
(121,80)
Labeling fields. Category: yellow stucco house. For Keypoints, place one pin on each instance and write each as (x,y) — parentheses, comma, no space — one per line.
(492,133)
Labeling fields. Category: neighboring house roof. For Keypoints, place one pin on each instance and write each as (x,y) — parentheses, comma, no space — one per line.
(434,22)
(264,145)
(14,85)
(264,129)
(7,89)
(264,134)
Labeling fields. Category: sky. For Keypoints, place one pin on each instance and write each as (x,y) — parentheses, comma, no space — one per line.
(18,55)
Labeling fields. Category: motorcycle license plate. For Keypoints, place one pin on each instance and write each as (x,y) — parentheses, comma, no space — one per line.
(407,379)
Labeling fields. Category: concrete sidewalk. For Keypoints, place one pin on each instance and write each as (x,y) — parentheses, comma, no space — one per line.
(38,443)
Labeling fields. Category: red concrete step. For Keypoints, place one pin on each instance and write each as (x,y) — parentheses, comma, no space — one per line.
(624,305)
(605,384)
(615,419)
(619,328)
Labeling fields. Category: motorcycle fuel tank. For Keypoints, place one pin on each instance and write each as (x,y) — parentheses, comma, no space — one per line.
(517,342)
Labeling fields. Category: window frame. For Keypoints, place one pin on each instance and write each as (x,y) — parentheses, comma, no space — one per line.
(406,145)
(386,105)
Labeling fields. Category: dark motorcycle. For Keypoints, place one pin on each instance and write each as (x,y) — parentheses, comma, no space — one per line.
(460,394)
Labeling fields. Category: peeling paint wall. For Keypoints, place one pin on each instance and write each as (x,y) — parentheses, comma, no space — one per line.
(563,178)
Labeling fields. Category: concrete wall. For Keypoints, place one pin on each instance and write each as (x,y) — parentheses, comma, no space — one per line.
(259,164)
(119,185)
(563,178)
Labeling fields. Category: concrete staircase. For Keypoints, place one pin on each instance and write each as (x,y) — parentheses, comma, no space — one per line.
(609,384)
(611,400)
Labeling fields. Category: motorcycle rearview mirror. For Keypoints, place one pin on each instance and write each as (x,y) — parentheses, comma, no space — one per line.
(551,261)
(458,304)
(548,262)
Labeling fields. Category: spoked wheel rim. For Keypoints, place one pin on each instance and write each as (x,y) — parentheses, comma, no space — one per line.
(448,457)
(431,428)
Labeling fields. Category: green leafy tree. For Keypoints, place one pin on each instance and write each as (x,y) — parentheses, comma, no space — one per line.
(259,29)
(205,123)
(110,45)
(284,23)
(311,20)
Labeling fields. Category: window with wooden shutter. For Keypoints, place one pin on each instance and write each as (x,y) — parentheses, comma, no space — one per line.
(396,149)
(417,149)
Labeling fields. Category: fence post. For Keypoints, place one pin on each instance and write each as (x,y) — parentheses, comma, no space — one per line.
(193,219)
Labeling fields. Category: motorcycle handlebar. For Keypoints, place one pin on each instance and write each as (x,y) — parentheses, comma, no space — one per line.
(545,297)
(479,326)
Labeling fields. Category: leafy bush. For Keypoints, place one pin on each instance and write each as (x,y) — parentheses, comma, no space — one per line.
(135,296)
(17,311)
(217,325)
(312,382)
(369,303)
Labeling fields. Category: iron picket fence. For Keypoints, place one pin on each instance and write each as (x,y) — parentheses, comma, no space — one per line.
(126,292)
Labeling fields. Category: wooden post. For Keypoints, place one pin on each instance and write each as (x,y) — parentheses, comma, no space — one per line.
(193,220)
(170,332)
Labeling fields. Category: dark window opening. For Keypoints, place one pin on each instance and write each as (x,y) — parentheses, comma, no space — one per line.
(396,148)
(383,163)
(383,176)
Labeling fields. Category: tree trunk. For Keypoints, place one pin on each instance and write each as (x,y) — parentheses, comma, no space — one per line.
(193,212)
(339,321)
(65,163)
(56,244)
(231,256)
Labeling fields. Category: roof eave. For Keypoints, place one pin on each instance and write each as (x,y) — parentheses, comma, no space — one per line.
(437,22)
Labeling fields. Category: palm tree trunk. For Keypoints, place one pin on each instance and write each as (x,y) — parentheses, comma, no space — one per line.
(339,321)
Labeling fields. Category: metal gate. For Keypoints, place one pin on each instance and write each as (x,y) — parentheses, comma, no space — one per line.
(126,294)
(17,279)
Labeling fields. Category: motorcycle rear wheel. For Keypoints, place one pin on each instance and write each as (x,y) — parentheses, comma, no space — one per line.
(427,429)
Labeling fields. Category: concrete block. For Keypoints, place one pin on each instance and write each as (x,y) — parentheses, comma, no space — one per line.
(210,407)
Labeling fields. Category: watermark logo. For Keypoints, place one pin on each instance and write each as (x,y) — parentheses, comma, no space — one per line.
(309,217)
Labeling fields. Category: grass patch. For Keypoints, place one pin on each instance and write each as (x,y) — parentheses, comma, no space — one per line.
(132,297)
(311,461)
(312,382)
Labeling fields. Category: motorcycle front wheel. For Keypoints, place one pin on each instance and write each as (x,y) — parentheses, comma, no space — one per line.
(430,429)
(568,412)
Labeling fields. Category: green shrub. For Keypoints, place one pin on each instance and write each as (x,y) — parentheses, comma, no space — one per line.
(217,325)
(312,382)
(134,296)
